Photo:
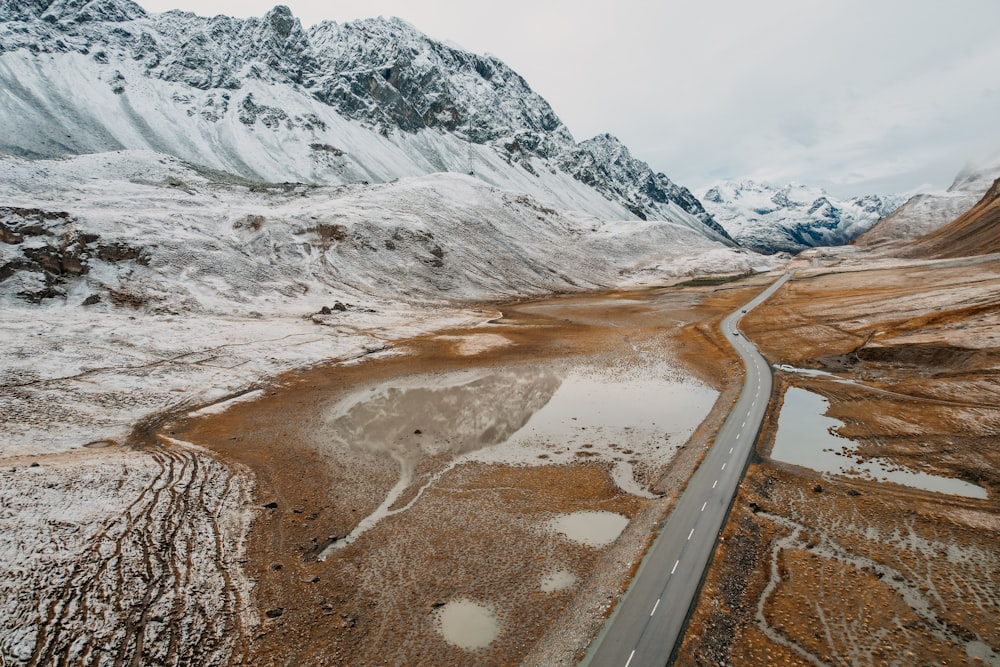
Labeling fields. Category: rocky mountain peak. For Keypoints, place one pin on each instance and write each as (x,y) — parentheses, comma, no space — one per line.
(281,21)
(605,163)
(86,11)
(388,73)
(368,100)
(22,10)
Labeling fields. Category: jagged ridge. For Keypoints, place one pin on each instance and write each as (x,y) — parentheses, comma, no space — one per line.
(367,100)
(794,217)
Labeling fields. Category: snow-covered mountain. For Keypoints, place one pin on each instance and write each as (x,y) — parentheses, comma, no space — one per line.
(976,232)
(792,218)
(262,98)
(139,230)
(926,212)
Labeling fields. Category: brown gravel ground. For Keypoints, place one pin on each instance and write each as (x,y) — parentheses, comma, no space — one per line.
(474,533)
(823,570)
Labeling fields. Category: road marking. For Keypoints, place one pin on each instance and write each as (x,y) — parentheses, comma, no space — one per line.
(690,534)
(723,466)
(703,506)
(714,483)
(655,606)
(674,568)
(629,658)
(732,448)
(737,437)
(744,423)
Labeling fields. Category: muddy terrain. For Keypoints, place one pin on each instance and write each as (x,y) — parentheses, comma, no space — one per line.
(848,567)
(377,526)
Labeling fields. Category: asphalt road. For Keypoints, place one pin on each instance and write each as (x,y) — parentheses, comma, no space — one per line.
(647,622)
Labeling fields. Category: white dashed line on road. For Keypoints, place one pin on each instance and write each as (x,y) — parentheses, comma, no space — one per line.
(629,658)
(674,568)
(690,534)
(703,506)
(731,449)
(714,483)
(655,606)
(723,466)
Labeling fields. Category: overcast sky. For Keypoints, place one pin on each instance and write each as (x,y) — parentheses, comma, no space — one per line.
(856,96)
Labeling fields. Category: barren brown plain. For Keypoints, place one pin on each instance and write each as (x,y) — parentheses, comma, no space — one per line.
(820,569)
(473,534)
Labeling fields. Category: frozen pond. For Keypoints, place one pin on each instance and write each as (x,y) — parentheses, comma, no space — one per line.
(806,437)
(467,624)
(594,529)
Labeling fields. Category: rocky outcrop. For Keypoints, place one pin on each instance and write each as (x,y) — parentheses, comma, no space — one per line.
(49,249)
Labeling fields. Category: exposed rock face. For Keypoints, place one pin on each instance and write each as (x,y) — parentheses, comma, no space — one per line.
(387,73)
(265,98)
(794,217)
(48,249)
(605,164)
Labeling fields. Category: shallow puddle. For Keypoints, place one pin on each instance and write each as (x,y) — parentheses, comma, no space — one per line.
(444,416)
(594,529)
(806,437)
(524,414)
(467,624)
(559,580)
(640,414)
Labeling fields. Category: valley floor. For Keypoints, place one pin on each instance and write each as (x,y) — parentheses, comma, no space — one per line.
(818,568)
(146,515)
(271,527)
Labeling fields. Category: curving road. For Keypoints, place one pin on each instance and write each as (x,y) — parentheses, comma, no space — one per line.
(647,622)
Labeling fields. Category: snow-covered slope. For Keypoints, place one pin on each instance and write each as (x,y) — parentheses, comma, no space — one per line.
(145,231)
(976,232)
(925,212)
(371,100)
(606,164)
(791,218)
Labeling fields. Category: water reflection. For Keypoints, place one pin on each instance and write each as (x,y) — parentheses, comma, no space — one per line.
(447,414)
(467,624)
(453,413)
(594,529)
(808,438)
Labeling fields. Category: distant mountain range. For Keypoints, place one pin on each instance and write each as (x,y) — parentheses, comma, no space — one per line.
(792,218)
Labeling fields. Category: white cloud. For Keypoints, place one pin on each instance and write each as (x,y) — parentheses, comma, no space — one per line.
(848,94)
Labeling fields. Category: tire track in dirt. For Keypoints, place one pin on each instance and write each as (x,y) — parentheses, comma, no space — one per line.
(155,584)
